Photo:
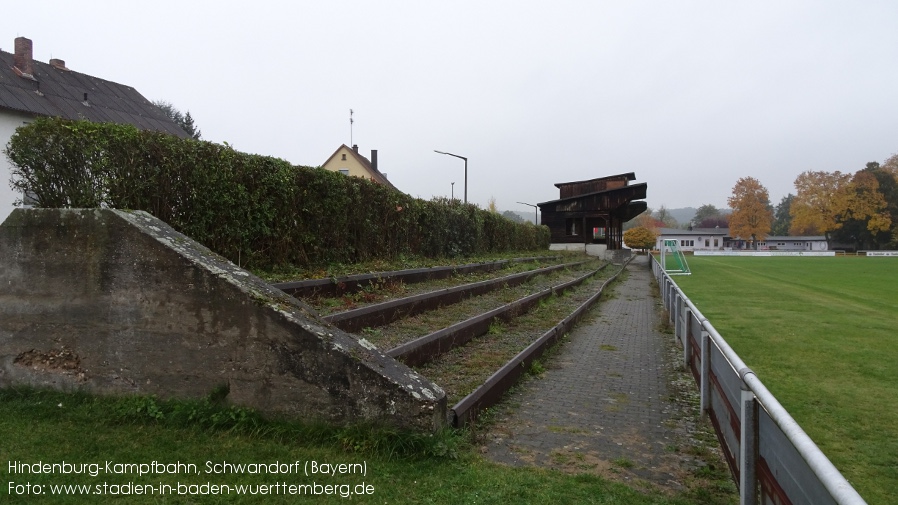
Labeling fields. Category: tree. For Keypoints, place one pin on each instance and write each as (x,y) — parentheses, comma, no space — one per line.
(782,220)
(818,201)
(663,215)
(890,166)
(512,216)
(640,237)
(705,212)
(491,205)
(751,214)
(646,220)
(185,121)
(709,216)
(887,175)
(864,213)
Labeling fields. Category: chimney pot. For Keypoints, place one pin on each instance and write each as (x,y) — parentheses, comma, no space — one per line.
(374,159)
(23,59)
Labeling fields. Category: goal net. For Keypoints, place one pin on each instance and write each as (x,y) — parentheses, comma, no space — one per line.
(672,259)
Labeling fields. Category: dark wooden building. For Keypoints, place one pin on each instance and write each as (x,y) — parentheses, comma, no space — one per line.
(594,211)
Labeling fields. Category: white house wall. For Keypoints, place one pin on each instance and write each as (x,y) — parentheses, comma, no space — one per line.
(9,121)
(693,242)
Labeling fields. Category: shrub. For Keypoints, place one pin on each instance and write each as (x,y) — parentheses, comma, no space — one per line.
(257,211)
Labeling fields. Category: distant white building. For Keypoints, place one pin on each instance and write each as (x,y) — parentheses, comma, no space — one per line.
(719,239)
(778,243)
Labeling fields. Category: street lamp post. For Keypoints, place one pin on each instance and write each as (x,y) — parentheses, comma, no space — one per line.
(466,170)
(535,212)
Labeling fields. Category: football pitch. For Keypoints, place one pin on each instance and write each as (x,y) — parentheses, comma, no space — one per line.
(822,334)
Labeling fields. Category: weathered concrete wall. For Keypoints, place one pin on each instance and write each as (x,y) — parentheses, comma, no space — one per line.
(118,302)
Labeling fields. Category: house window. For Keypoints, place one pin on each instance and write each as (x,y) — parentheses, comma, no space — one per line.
(344,171)
(715,242)
(572,227)
(707,242)
(598,232)
(687,243)
(344,156)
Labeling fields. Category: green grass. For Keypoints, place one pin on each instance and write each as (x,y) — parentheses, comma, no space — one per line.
(821,335)
(52,427)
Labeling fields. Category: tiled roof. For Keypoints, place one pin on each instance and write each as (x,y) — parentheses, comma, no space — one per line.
(60,92)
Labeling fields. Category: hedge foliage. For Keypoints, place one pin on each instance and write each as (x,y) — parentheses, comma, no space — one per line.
(257,211)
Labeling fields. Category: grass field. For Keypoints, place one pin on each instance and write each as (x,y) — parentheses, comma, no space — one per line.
(50,427)
(822,335)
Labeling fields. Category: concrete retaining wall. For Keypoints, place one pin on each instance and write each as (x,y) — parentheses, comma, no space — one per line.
(118,302)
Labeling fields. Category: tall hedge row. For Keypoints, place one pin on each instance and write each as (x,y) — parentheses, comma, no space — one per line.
(255,210)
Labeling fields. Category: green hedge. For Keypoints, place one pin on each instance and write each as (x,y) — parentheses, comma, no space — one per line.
(257,211)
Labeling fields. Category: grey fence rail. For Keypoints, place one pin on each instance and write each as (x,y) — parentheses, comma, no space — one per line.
(772,459)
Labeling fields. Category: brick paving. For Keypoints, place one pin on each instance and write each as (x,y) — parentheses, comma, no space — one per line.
(608,402)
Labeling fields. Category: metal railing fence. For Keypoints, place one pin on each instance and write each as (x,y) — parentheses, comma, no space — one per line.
(772,459)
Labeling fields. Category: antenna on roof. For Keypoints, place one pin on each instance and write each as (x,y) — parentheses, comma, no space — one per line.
(350,126)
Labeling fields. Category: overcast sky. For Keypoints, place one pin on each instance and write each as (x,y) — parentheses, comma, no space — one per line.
(689,95)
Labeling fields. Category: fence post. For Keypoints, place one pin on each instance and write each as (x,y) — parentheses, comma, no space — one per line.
(675,313)
(705,385)
(671,297)
(687,331)
(748,446)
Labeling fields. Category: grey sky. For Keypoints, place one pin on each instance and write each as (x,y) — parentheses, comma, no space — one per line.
(689,95)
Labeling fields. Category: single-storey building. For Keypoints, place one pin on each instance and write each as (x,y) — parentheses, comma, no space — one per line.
(719,239)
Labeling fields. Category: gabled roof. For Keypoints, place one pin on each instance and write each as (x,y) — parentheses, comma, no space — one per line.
(375,173)
(56,91)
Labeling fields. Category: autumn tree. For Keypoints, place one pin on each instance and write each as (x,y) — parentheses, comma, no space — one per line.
(641,238)
(491,205)
(751,214)
(887,175)
(646,220)
(818,201)
(864,212)
(663,215)
(890,166)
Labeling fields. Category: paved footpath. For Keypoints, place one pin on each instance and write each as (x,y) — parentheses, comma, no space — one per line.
(608,401)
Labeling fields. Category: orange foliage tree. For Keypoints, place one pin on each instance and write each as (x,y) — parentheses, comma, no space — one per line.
(819,200)
(864,202)
(640,237)
(752,215)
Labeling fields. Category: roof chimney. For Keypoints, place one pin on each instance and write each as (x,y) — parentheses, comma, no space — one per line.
(57,63)
(355,147)
(374,159)
(23,56)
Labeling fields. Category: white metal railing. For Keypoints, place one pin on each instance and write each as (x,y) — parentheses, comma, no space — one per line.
(772,459)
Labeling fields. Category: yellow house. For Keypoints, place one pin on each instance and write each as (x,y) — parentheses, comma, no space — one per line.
(349,162)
